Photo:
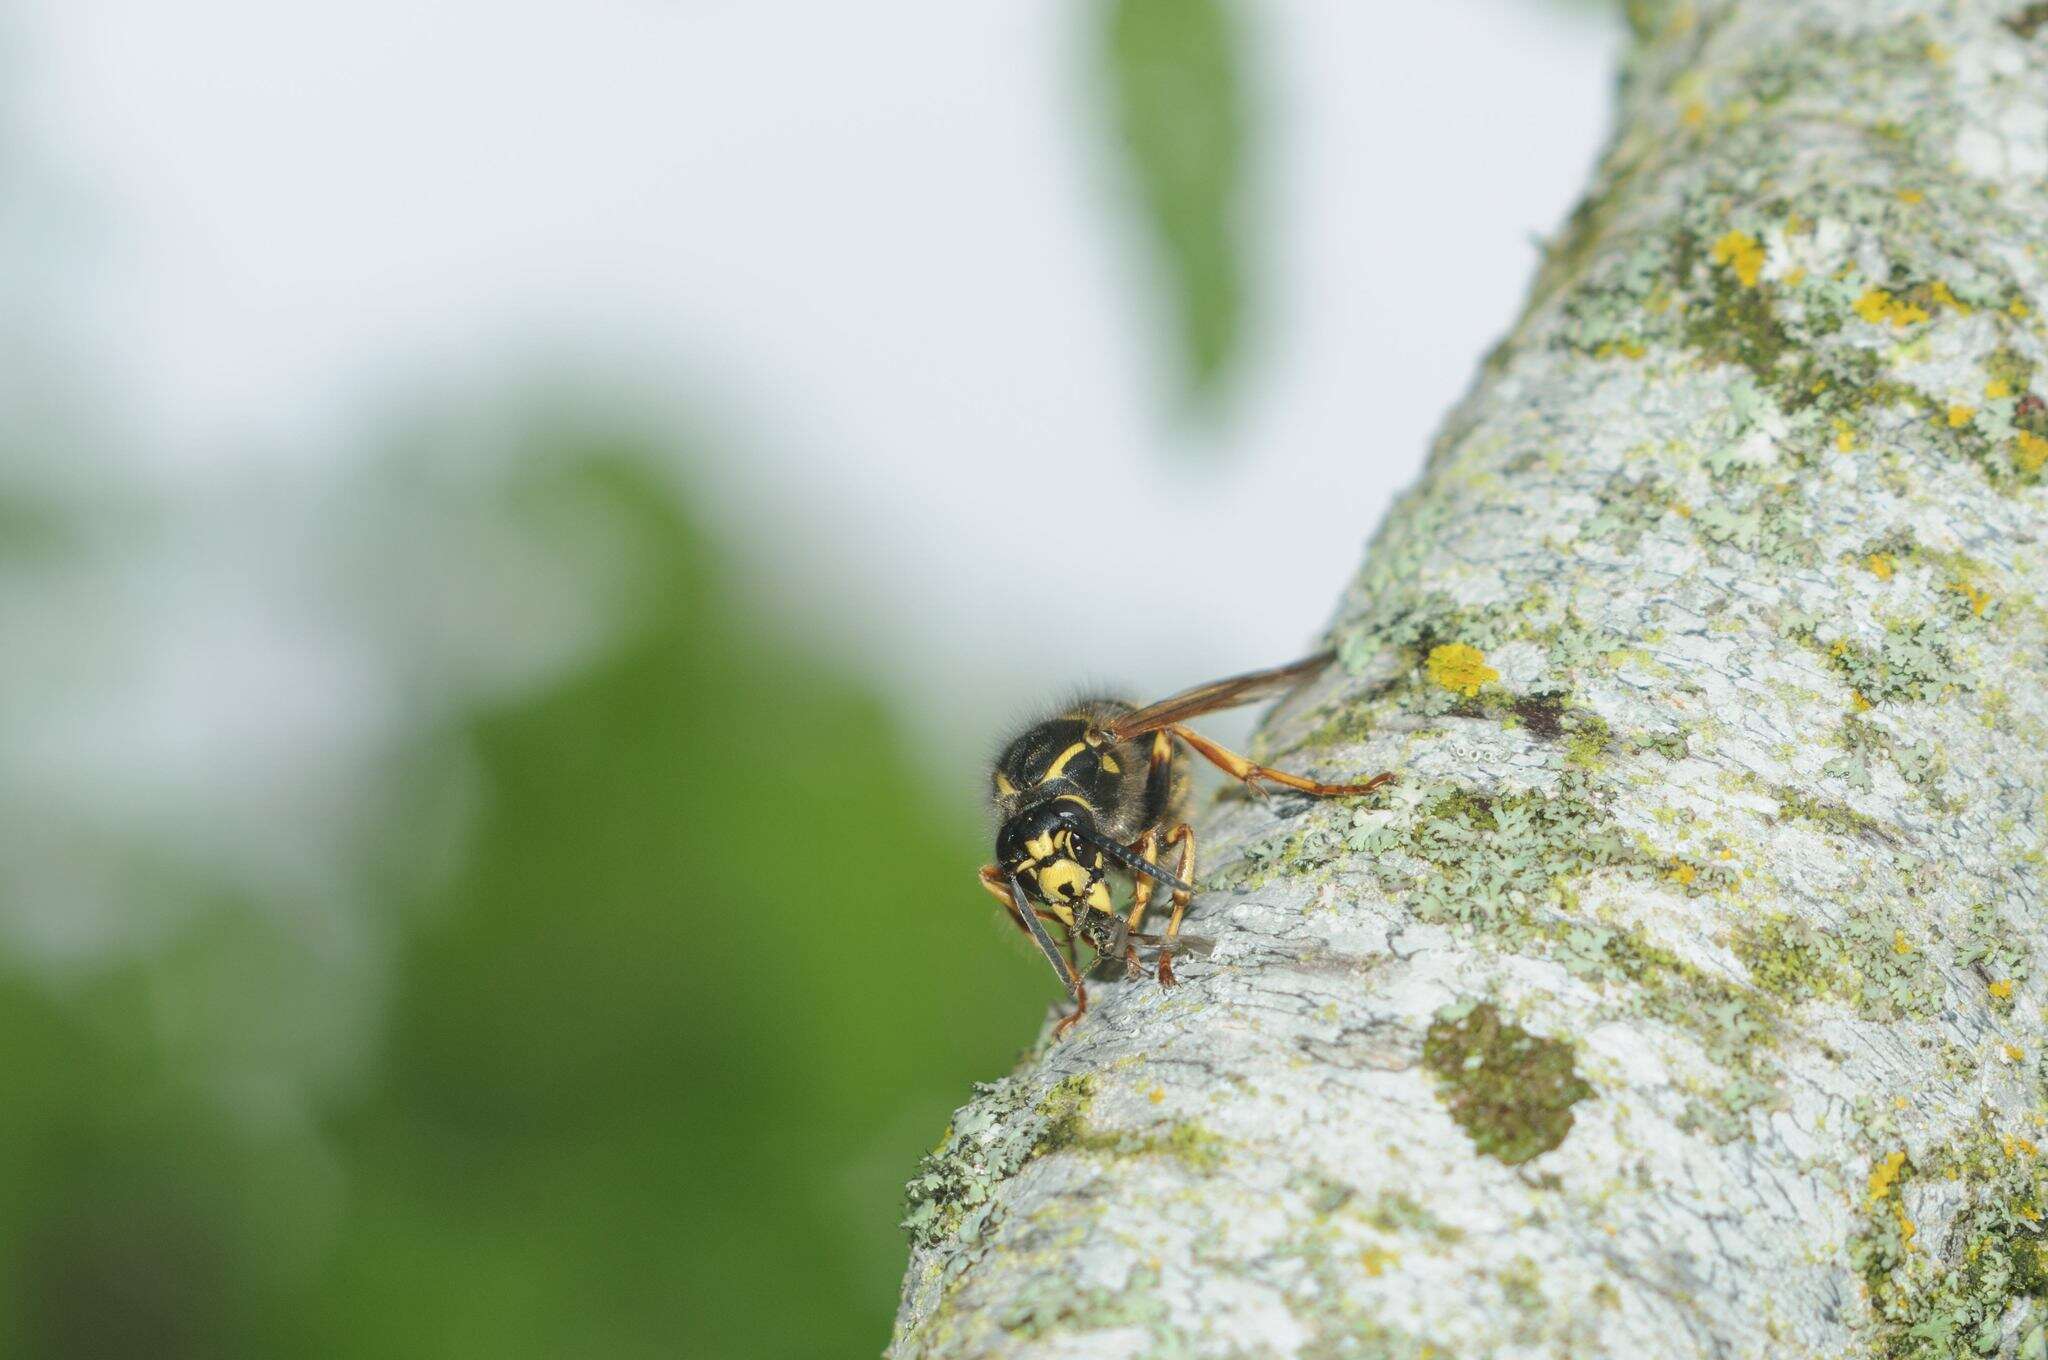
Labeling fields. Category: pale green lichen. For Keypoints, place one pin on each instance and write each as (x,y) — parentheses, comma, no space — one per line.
(1839,818)
(1868,961)
(1792,960)
(1062,1309)
(1189,1143)
(1395,1212)
(990,1140)
(1491,857)
(1934,1300)
(1740,1028)
(2003,954)
(1338,1324)
(1630,507)
(1911,663)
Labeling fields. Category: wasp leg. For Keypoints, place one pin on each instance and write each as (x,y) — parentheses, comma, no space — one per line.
(1236,766)
(992,879)
(1184,836)
(1059,1031)
(1164,780)
(1146,847)
(997,882)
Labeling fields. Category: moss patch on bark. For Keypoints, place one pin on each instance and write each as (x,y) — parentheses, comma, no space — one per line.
(1510,1090)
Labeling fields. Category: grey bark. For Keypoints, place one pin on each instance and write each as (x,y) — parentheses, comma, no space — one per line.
(1684,997)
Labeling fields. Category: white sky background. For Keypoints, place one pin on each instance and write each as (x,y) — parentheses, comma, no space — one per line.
(880,244)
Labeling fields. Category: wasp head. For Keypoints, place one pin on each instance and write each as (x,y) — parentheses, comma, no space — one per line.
(1053,849)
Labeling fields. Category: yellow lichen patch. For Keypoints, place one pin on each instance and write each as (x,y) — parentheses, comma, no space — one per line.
(1884,1184)
(1911,196)
(1900,944)
(1694,114)
(1997,389)
(1682,873)
(2014,1053)
(1877,306)
(2020,309)
(1795,277)
(2030,451)
(1885,1175)
(1740,251)
(1459,668)
(1938,54)
(1156,1094)
(1858,702)
(1959,416)
(1945,298)
(2002,988)
(1375,1260)
(1978,598)
(1845,435)
(1880,565)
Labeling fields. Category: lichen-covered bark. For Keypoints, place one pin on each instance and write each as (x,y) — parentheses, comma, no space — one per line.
(1685,997)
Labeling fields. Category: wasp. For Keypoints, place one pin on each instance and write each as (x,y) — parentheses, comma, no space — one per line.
(1103,786)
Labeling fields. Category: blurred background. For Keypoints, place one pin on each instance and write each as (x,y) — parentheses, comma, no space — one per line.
(520,525)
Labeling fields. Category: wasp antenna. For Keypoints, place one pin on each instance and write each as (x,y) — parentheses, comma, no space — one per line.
(1137,864)
(1043,940)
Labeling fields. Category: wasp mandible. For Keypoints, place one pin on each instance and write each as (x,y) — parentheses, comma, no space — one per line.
(1104,785)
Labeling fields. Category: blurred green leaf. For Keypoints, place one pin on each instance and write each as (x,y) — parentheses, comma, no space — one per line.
(32,528)
(136,1217)
(668,1048)
(654,1056)
(1181,117)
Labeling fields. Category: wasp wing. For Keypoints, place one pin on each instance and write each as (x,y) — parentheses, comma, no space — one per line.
(1238,689)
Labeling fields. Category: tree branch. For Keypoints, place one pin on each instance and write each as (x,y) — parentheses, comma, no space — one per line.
(1683,998)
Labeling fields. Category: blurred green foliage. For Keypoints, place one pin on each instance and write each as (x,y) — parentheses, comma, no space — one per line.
(1182,119)
(656,1057)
